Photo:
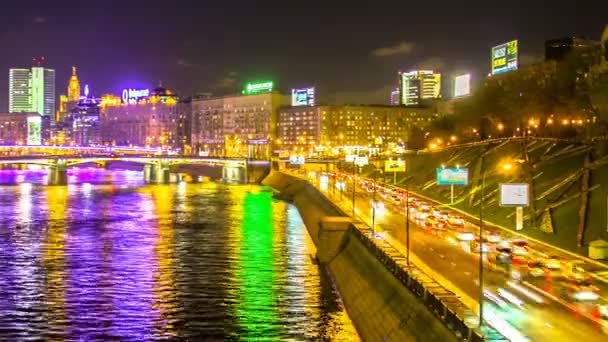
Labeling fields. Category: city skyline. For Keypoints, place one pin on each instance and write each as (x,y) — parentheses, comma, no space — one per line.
(355,59)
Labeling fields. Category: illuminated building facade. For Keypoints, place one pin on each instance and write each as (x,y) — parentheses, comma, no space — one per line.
(23,128)
(33,90)
(224,126)
(419,85)
(85,119)
(136,120)
(308,128)
(74,87)
(43,91)
(395,94)
(19,90)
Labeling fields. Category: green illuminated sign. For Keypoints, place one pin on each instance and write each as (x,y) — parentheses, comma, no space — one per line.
(260,87)
(452,176)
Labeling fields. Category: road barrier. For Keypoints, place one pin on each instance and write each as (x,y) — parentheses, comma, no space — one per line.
(444,304)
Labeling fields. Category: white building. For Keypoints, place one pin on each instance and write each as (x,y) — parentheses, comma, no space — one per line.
(419,85)
(19,91)
(32,91)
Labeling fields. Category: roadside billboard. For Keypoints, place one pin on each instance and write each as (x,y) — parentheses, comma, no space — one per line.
(514,195)
(394,165)
(297,160)
(452,176)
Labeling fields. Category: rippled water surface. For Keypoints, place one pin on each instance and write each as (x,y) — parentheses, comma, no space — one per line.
(110,258)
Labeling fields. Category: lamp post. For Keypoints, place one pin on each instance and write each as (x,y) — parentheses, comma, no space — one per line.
(483,185)
(407,223)
(374,202)
(354,184)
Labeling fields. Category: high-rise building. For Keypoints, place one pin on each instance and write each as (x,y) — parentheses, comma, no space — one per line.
(559,49)
(74,87)
(395,94)
(33,90)
(85,120)
(43,91)
(19,91)
(419,85)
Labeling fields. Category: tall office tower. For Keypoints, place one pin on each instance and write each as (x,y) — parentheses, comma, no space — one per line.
(395,94)
(419,85)
(74,87)
(19,93)
(43,91)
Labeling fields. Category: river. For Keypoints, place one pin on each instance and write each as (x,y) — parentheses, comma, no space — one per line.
(108,257)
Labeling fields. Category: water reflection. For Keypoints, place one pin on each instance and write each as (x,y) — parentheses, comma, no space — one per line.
(107,257)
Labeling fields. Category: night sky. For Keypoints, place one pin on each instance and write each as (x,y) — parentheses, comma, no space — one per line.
(351,53)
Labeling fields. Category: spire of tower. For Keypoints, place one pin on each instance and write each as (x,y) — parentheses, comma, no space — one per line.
(73,71)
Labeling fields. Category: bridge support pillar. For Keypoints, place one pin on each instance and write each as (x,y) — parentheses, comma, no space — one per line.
(158,174)
(162,174)
(59,173)
(234,174)
(149,175)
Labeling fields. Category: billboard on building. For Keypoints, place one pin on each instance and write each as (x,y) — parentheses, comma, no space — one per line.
(452,176)
(303,97)
(504,57)
(462,85)
(34,130)
(130,95)
(258,87)
(514,195)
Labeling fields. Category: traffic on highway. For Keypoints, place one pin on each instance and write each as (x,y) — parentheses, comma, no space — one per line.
(527,285)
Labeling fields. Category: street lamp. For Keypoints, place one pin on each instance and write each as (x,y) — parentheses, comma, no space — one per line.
(374,201)
(407,222)
(483,185)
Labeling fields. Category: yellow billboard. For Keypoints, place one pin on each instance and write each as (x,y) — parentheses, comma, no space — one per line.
(394,165)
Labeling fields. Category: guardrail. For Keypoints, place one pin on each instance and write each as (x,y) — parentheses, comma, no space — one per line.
(444,304)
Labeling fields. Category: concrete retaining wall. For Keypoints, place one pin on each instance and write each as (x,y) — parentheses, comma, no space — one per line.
(384,302)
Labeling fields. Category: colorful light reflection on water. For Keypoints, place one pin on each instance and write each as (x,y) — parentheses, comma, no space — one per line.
(110,258)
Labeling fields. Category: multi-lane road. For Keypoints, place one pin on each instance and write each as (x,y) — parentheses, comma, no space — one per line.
(539,308)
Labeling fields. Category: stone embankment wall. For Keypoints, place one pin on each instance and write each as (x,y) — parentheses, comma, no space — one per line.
(370,283)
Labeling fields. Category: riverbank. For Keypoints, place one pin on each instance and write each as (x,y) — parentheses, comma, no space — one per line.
(378,303)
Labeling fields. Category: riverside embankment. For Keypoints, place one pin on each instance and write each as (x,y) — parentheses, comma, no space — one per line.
(386,299)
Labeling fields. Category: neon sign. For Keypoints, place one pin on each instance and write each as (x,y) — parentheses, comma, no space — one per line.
(132,95)
(260,87)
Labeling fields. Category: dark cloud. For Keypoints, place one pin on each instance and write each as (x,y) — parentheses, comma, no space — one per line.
(402,48)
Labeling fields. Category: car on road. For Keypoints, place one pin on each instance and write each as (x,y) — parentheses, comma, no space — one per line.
(520,247)
(582,290)
(574,270)
(422,213)
(493,237)
(553,262)
(535,268)
(456,220)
